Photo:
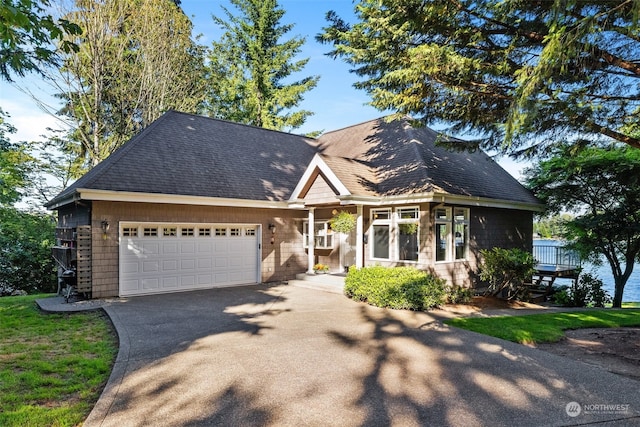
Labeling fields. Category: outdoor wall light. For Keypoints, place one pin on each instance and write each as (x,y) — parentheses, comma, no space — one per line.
(272,227)
(104,224)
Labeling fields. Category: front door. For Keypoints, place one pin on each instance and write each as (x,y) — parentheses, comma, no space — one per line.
(347,249)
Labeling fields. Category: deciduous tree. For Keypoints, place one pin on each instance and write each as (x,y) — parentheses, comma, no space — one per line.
(250,67)
(28,35)
(516,73)
(601,186)
(136,60)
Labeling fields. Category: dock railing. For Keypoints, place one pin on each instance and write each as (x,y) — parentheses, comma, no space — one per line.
(558,256)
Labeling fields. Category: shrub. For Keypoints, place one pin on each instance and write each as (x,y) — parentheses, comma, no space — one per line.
(586,292)
(458,295)
(507,271)
(395,287)
(25,252)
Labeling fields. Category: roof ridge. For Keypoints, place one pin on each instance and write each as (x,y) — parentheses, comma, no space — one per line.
(200,116)
(354,125)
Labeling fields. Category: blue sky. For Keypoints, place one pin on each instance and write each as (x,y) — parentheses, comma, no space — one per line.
(335,102)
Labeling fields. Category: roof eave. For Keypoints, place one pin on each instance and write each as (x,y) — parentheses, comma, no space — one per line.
(433,197)
(126,196)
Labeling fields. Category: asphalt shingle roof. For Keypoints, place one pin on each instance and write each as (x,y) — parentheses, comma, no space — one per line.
(184,154)
(395,158)
(198,156)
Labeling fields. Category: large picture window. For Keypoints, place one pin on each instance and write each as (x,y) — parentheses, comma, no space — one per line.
(451,233)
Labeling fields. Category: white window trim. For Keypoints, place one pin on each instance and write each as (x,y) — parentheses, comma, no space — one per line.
(400,221)
(376,221)
(324,234)
(451,222)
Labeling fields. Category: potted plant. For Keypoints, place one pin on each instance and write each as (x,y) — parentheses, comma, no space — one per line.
(321,268)
(343,222)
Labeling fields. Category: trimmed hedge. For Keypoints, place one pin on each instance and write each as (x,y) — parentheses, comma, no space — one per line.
(404,288)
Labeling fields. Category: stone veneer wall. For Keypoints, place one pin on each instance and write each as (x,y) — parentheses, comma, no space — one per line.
(280,260)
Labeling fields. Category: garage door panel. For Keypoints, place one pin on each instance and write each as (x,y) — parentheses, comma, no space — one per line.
(187,264)
(170,248)
(188,248)
(170,282)
(151,284)
(205,263)
(150,248)
(150,266)
(235,262)
(184,259)
(205,248)
(169,265)
(130,267)
(187,281)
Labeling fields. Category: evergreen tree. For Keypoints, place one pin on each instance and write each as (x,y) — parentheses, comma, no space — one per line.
(517,73)
(250,67)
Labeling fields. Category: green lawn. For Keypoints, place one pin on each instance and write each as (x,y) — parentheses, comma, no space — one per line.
(631,305)
(548,327)
(53,367)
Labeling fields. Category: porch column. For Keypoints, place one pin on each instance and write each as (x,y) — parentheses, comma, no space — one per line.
(359,237)
(311,241)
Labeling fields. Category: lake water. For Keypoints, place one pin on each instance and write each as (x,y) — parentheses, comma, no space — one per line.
(603,272)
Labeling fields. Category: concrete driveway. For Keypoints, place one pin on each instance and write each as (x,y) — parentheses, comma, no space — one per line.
(291,356)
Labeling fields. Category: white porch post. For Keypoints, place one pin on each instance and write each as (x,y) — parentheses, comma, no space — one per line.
(311,240)
(359,237)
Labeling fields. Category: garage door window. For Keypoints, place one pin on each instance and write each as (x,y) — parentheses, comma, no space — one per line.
(150,231)
(130,231)
(250,232)
(235,232)
(221,231)
(169,231)
(187,232)
(204,232)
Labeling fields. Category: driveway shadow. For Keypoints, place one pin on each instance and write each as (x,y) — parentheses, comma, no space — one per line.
(293,356)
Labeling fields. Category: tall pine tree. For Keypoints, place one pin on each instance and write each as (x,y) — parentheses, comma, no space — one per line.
(516,73)
(250,68)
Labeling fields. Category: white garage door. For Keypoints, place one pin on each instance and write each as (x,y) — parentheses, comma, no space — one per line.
(158,258)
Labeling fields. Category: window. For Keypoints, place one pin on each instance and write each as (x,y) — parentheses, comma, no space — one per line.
(150,231)
(451,233)
(381,225)
(169,231)
(322,235)
(250,232)
(204,231)
(221,231)
(130,231)
(408,220)
(187,231)
(235,232)
(461,232)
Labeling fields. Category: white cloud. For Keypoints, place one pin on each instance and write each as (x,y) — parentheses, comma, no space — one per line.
(25,115)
